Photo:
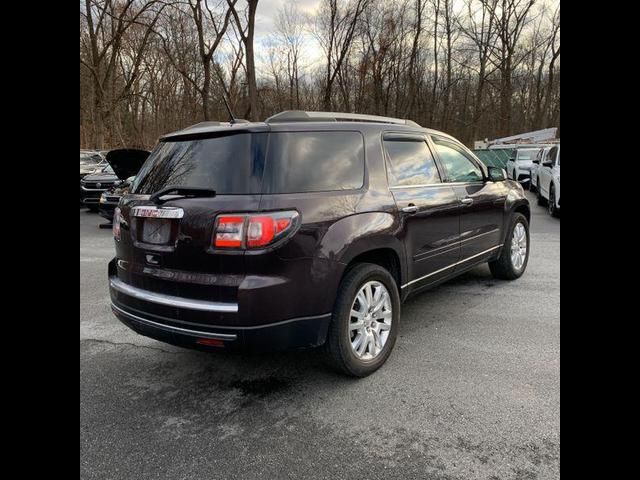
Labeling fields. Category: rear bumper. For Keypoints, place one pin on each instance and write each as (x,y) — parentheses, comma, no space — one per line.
(294,333)
(261,316)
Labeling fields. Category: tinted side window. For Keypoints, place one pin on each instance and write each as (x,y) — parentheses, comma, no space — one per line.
(459,167)
(314,162)
(410,162)
(551,156)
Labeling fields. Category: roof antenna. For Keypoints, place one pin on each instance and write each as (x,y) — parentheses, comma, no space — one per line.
(232,118)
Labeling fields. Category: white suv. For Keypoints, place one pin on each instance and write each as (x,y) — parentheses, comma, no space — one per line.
(520,163)
(548,180)
(542,155)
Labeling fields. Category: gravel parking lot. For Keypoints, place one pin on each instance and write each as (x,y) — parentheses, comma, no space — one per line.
(470,391)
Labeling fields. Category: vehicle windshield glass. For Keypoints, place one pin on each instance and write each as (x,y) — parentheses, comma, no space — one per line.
(90,159)
(527,155)
(108,170)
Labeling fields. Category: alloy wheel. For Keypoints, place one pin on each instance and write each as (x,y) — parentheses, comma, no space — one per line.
(370,320)
(518,246)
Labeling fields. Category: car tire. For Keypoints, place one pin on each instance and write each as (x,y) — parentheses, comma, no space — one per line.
(532,187)
(511,264)
(339,347)
(541,200)
(553,210)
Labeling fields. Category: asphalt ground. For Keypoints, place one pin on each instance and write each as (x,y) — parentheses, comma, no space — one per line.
(471,390)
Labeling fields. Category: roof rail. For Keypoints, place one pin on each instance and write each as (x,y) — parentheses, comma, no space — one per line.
(303,116)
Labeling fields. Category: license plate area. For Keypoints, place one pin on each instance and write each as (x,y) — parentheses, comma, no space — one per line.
(156,228)
(156,231)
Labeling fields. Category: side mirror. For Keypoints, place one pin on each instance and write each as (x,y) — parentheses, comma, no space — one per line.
(547,163)
(537,160)
(497,174)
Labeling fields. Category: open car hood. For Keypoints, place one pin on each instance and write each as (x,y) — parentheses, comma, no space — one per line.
(126,162)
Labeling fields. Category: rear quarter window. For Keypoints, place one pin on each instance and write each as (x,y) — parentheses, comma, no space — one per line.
(300,162)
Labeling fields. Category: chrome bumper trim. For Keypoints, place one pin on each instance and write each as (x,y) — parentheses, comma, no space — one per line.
(170,300)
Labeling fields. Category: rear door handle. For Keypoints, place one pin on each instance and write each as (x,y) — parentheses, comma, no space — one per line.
(411,208)
(467,201)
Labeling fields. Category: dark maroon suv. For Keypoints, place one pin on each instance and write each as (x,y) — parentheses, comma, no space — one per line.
(307,229)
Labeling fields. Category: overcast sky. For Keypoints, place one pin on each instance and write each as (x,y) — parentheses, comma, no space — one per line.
(268,9)
(265,20)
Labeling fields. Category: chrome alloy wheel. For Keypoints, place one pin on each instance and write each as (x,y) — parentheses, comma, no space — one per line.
(370,320)
(518,246)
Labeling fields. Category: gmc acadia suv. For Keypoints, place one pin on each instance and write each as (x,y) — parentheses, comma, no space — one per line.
(307,229)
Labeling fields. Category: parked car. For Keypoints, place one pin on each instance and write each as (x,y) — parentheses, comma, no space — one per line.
(125,163)
(548,181)
(520,163)
(533,185)
(92,186)
(90,161)
(316,240)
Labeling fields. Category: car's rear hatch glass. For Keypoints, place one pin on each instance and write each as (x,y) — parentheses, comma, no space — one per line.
(229,164)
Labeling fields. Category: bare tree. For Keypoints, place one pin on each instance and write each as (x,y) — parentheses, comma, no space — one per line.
(104,24)
(246,32)
(289,27)
(510,17)
(335,30)
(477,68)
(206,19)
(480,29)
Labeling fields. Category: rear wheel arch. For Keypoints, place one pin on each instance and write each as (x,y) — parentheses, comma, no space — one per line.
(386,257)
(370,235)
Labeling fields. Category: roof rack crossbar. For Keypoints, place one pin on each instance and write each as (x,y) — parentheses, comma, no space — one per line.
(308,116)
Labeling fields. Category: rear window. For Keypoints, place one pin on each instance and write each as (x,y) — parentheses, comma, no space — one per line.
(314,162)
(236,164)
(229,164)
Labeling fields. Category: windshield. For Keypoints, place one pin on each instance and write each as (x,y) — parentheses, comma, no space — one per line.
(527,154)
(90,158)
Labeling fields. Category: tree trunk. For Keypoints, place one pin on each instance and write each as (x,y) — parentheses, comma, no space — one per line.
(251,68)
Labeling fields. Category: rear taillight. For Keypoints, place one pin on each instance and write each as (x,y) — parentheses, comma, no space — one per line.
(229,231)
(116,224)
(245,231)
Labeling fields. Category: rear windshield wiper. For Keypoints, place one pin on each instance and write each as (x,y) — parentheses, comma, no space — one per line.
(183,192)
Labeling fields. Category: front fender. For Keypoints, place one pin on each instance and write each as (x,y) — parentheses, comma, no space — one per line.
(516,201)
